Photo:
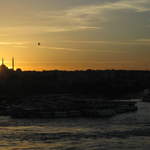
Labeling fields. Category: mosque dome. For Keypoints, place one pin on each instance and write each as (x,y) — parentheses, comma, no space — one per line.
(4,68)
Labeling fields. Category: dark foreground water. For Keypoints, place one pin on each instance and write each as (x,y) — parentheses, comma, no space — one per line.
(123,132)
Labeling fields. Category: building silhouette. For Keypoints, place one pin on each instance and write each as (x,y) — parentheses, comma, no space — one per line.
(4,68)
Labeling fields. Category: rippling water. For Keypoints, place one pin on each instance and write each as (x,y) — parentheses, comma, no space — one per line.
(127,132)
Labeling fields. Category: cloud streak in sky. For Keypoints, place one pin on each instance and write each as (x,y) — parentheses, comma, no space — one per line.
(88,17)
(65,49)
(76,18)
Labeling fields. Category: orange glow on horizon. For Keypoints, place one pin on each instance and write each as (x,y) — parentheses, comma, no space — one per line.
(72,67)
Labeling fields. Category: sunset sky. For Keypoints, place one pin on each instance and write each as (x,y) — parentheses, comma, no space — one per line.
(75,34)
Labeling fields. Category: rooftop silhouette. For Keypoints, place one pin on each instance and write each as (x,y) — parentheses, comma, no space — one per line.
(4,68)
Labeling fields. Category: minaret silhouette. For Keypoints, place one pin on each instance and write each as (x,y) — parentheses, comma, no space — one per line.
(13,63)
(2,61)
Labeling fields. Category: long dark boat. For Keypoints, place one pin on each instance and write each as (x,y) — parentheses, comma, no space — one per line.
(86,108)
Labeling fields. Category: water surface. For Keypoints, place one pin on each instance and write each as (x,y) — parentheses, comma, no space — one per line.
(127,132)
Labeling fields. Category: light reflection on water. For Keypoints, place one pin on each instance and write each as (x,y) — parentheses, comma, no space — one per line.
(127,132)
